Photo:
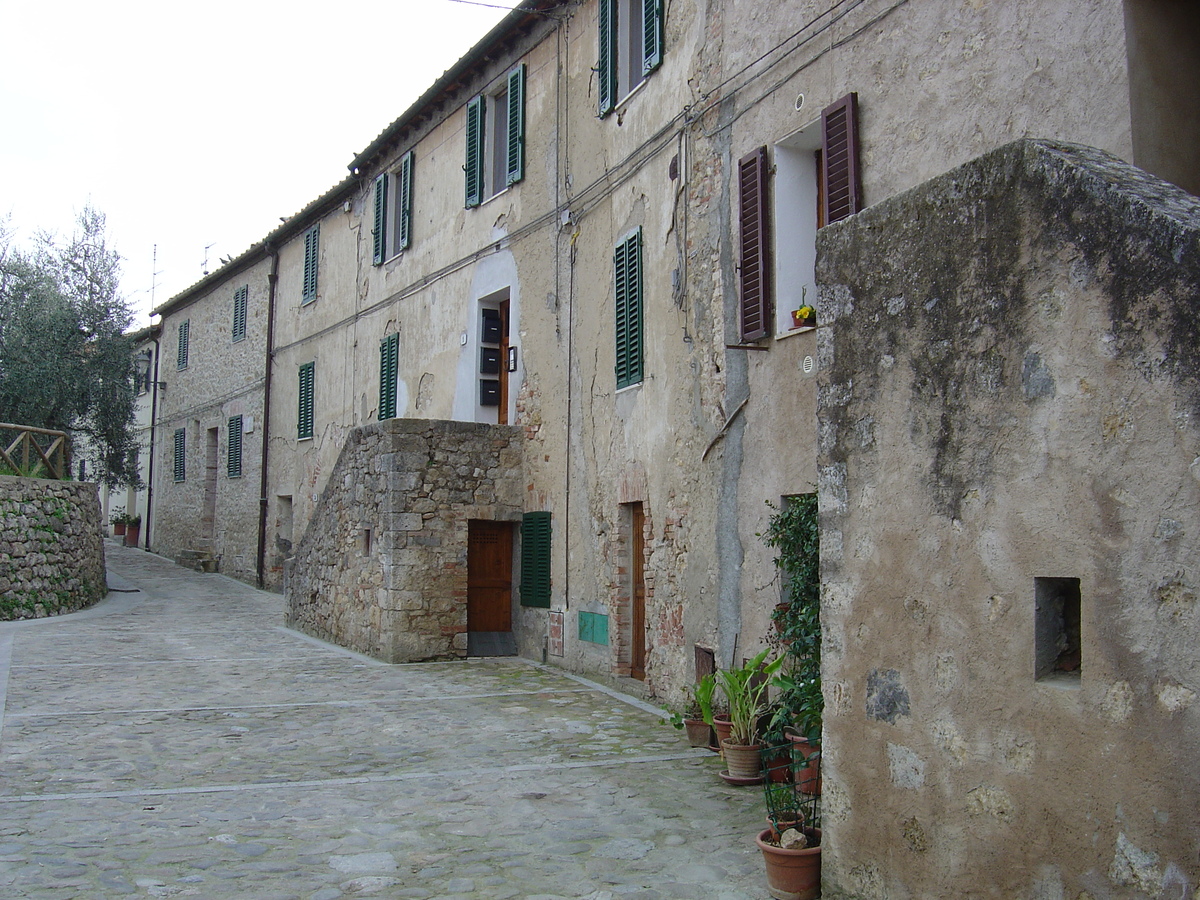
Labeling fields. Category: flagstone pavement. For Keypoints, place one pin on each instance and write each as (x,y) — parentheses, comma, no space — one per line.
(177,740)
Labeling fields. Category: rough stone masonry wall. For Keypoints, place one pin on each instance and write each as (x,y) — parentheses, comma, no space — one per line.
(51,547)
(1010,391)
(382,567)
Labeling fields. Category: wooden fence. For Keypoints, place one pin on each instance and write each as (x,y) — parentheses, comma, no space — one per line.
(35,452)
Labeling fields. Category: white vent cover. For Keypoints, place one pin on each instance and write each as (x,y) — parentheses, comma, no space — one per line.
(808,365)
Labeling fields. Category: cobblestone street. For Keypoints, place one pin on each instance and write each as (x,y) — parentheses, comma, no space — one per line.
(177,740)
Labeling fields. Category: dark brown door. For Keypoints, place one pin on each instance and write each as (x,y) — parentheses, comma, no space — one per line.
(489,576)
(637,593)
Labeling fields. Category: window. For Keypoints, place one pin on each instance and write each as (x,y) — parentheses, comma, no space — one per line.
(631,47)
(393,211)
(627,264)
(233,456)
(180,451)
(182,354)
(535,559)
(240,297)
(816,181)
(389,355)
(304,421)
(312,245)
(496,139)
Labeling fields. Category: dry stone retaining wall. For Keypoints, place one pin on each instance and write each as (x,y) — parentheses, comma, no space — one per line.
(51,547)
(382,567)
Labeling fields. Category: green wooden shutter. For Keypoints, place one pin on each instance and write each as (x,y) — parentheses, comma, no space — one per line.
(312,239)
(606,65)
(516,125)
(389,356)
(535,559)
(652,35)
(182,354)
(180,449)
(474,166)
(240,299)
(405,200)
(627,266)
(304,425)
(379,233)
(233,455)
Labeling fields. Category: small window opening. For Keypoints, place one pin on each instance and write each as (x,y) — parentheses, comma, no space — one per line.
(1058,650)
(366,542)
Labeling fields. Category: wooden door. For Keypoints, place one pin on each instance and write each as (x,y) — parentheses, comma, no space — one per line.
(489,576)
(637,593)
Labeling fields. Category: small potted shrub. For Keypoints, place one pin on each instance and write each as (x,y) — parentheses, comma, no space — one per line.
(745,689)
(133,530)
(117,520)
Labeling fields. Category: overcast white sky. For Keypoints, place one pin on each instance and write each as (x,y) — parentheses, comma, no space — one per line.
(196,124)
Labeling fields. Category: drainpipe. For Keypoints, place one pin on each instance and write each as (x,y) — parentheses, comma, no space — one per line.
(153,428)
(266,416)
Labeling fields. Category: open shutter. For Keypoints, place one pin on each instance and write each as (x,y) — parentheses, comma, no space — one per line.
(379,233)
(606,66)
(474,166)
(754,264)
(389,355)
(840,171)
(181,357)
(516,125)
(652,35)
(233,455)
(535,559)
(180,448)
(404,200)
(304,421)
(311,251)
(627,266)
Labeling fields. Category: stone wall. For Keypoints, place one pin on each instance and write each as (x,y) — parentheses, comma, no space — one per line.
(382,567)
(1008,398)
(51,547)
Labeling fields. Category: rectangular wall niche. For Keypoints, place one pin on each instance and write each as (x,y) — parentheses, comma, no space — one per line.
(1058,653)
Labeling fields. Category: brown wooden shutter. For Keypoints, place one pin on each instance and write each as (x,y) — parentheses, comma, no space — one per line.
(755,258)
(839,159)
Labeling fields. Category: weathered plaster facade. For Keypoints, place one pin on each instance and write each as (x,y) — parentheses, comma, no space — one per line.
(1009,388)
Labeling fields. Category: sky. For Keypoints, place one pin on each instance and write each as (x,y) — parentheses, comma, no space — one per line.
(194,126)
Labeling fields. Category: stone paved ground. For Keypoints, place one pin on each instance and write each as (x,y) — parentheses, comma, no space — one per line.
(180,742)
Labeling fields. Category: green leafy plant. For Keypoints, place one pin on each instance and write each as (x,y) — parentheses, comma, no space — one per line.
(705,694)
(745,689)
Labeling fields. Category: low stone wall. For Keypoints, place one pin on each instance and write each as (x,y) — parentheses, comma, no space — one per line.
(382,567)
(51,547)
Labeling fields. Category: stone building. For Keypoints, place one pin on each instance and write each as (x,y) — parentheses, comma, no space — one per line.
(586,240)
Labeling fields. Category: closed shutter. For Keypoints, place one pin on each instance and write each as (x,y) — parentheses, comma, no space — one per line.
(304,423)
(240,300)
(404,201)
(606,65)
(840,171)
(535,559)
(180,449)
(182,354)
(379,232)
(474,166)
(754,264)
(627,266)
(389,354)
(516,125)
(312,240)
(233,454)
(652,35)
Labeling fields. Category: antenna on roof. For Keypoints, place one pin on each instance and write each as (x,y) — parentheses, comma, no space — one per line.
(207,247)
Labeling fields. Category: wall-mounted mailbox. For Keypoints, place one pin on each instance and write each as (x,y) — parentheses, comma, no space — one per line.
(489,393)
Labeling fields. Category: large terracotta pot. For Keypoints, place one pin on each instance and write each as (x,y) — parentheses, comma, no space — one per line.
(698,732)
(792,874)
(722,726)
(742,760)
(808,778)
(132,534)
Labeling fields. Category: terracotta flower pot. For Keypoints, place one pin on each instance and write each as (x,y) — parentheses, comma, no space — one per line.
(698,732)
(792,874)
(742,761)
(808,778)
(722,726)
(118,529)
(132,533)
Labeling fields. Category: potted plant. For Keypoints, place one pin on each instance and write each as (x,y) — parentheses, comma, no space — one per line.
(745,689)
(117,520)
(133,530)
(791,846)
(804,317)
(711,709)
(691,720)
